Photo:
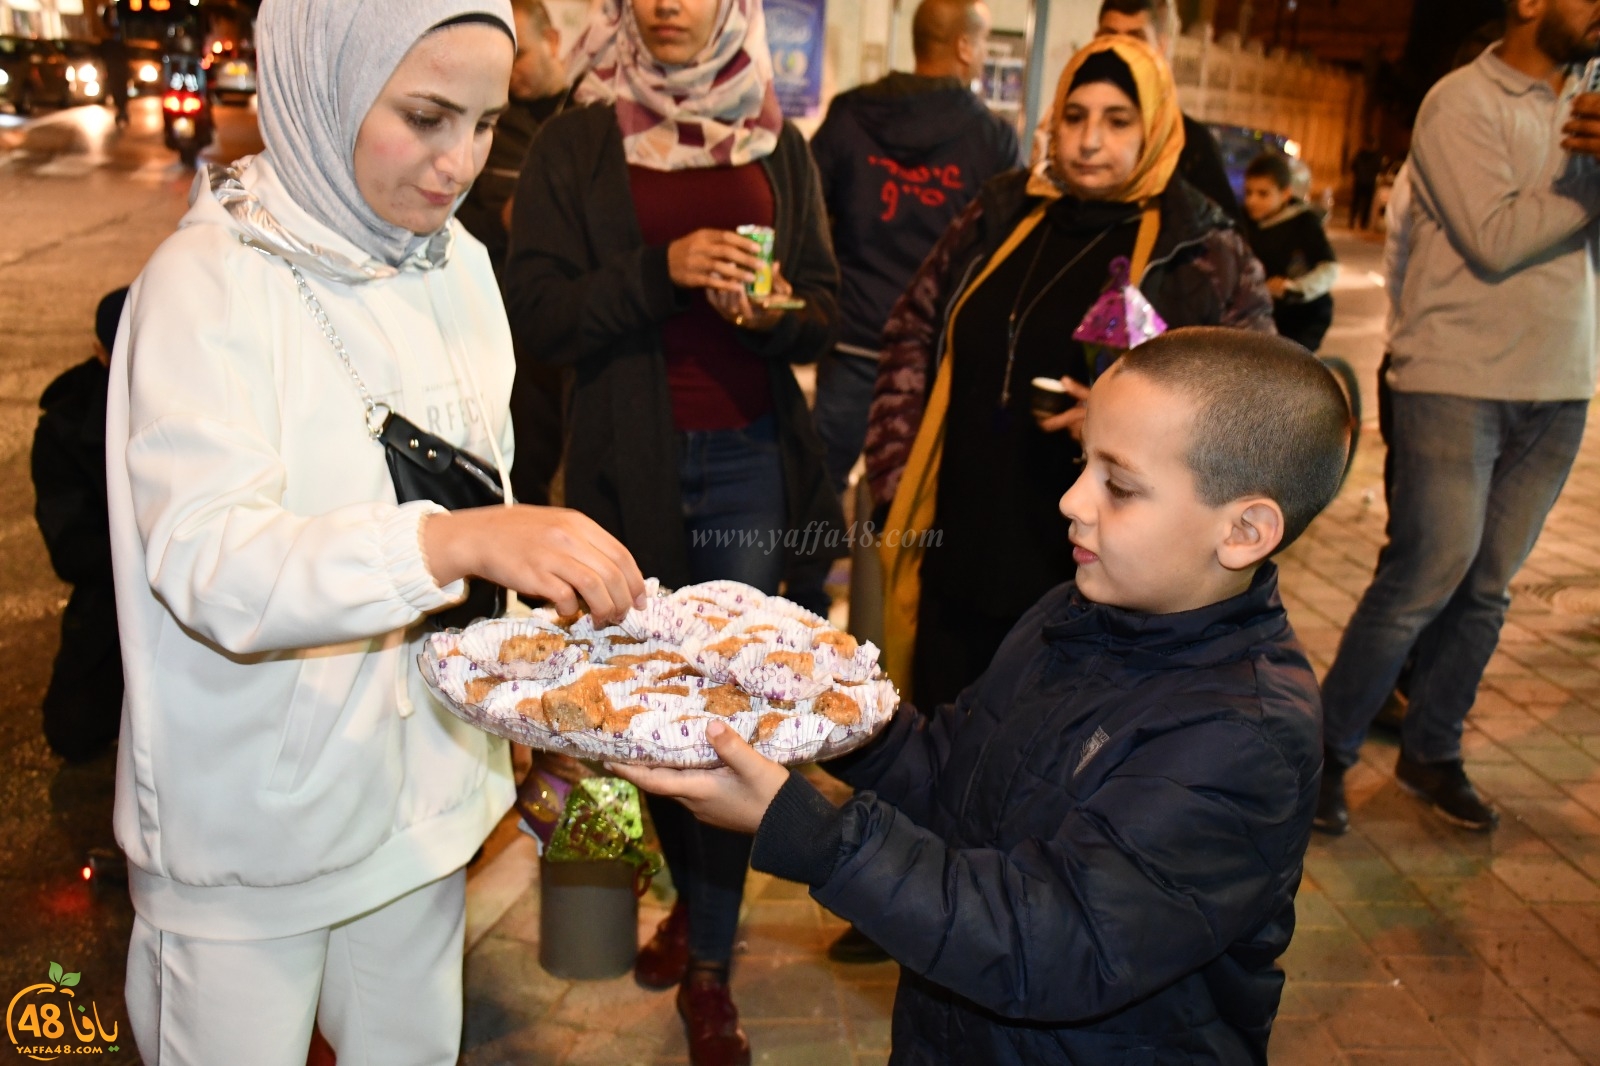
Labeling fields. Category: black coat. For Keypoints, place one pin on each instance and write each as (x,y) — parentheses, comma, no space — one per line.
(584,292)
(1092,856)
(83,705)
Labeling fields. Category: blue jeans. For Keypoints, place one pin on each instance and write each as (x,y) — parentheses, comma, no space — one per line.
(1473,482)
(844,397)
(733,498)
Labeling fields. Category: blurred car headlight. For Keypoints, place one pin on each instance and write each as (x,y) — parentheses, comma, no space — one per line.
(87,72)
(91,88)
(5,79)
(1291,149)
(149,72)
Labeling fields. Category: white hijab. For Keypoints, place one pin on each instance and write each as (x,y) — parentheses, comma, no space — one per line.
(322,64)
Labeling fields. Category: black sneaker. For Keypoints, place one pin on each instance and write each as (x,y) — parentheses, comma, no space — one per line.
(1446,788)
(1333,816)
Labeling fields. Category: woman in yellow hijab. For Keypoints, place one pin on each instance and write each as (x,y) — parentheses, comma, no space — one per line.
(973,536)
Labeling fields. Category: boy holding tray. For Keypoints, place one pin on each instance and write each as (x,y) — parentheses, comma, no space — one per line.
(1092,855)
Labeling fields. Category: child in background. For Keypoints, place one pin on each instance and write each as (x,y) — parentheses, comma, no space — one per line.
(1092,856)
(83,705)
(1287,237)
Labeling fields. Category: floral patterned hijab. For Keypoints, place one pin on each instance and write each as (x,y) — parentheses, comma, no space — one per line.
(720,109)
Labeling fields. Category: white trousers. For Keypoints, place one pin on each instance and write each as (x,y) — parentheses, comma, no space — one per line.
(385,988)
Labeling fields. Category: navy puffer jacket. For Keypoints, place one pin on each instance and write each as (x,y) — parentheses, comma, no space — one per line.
(1092,856)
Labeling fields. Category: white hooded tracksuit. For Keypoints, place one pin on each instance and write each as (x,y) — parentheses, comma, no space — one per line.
(282,768)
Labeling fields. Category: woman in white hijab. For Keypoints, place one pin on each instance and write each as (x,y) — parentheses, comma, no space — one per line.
(295,807)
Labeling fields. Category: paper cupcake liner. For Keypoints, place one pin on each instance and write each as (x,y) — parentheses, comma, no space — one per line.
(789,609)
(752,670)
(482,643)
(733,596)
(665,620)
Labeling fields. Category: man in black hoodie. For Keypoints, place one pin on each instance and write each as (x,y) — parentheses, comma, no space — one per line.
(1156,23)
(899,158)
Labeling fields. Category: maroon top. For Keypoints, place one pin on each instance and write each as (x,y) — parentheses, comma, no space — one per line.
(716,382)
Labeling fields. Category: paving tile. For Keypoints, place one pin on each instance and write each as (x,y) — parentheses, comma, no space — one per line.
(1542,880)
(1456,987)
(1487,1041)
(868,1013)
(1303,1043)
(1587,794)
(1496,780)
(781,927)
(1578,924)
(1368,878)
(1373,1016)
(786,989)
(1568,762)
(537,1044)
(821,1043)
(1434,1056)
(1403,929)
(1331,955)
(597,1048)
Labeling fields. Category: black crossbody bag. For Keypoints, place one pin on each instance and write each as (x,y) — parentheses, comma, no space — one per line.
(424,467)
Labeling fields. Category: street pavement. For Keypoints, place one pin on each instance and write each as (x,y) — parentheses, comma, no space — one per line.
(1417,943)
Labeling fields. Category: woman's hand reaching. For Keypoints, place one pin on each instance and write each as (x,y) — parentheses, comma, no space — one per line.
(547,553)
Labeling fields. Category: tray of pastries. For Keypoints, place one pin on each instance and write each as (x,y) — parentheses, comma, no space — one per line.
(644,690)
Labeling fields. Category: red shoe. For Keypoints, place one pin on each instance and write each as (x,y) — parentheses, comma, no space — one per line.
(663,961)
(712,1021)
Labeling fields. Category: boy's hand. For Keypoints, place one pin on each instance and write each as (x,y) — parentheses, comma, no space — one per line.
(1071,419)
(1581,134)
(1277,287)
(735,796)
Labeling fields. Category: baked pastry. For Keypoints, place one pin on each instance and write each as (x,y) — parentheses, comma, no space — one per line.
(580,705)
(531,647)
(726,701)
(478,688)
(838,708)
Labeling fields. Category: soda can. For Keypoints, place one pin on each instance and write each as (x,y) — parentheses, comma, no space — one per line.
(765,237)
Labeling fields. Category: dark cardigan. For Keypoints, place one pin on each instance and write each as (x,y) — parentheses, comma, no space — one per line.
(584,293)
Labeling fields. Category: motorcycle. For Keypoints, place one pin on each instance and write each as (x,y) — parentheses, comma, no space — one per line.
(186,118)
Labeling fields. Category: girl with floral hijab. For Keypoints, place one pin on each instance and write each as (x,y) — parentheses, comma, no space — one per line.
(688,437)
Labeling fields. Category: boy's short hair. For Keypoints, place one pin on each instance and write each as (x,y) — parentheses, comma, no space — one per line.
(1271,165)
(1270,419)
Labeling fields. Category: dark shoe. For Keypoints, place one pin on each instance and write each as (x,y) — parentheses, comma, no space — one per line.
(663,961)
(1446,788)
(711,1020)
(1333,816)
(853,946)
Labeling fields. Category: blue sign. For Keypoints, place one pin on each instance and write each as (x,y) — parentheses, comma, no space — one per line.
(795,35)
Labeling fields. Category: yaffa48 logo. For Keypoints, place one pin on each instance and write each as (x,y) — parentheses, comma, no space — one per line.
(45,1021)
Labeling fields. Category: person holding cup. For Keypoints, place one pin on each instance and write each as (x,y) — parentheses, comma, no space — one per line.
(972,474)
(688,437)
